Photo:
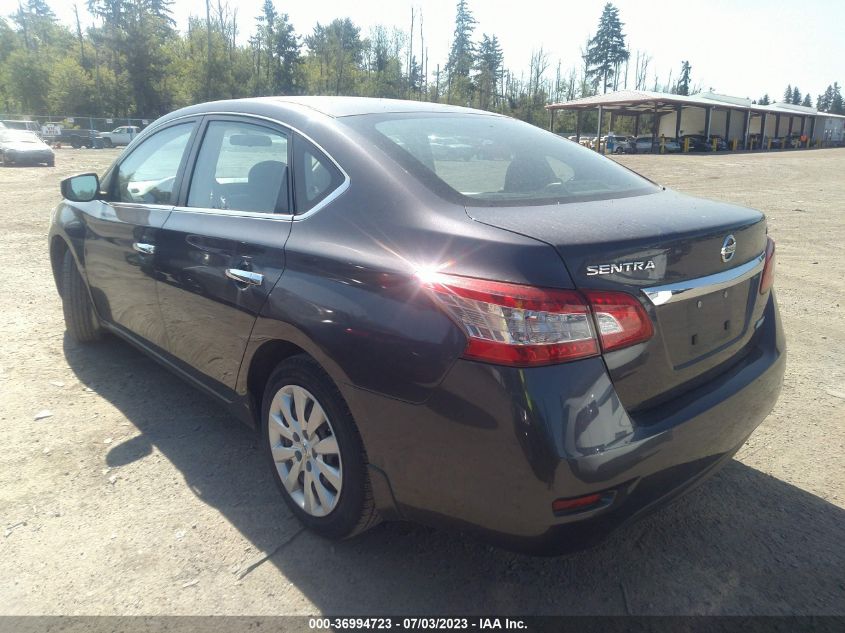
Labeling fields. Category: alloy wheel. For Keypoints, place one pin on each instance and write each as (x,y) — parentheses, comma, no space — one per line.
(305,450)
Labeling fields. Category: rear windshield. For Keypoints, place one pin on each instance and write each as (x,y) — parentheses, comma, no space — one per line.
(491,160)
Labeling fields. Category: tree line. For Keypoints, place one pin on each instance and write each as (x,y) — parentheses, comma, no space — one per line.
(829,101)
(132,61)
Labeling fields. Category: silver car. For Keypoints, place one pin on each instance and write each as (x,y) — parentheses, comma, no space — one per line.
(20,147)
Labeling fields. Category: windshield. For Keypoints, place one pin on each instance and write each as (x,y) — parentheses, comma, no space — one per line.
(493,160)
(19,136)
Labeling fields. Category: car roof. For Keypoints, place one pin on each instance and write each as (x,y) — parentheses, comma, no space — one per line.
(352,106)
(334,107)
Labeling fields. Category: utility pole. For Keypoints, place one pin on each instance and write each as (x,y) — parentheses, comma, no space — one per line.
(79,35)
(411,56)
(208,56)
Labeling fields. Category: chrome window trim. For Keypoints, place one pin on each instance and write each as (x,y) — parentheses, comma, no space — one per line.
(691,288)
(137,205)
(288,217)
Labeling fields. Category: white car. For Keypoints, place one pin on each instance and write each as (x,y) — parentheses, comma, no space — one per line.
(22,147)
(120,136)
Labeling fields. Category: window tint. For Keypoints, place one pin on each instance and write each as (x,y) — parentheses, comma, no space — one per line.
(149,172)
(242,167)
(491,160)
(316,178)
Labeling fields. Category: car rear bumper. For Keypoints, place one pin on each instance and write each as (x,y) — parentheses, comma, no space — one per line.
(493,447)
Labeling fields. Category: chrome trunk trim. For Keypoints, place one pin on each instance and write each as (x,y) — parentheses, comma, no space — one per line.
(691,288)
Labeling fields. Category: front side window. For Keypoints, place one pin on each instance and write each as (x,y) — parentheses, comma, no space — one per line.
(148,174)
(491,160)
(241,167)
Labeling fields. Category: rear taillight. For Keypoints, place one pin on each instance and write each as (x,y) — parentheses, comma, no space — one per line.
(523,326)
(620,318)
(768,277)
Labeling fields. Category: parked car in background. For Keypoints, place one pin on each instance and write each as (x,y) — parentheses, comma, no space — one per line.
(122,135)
(642,144)
(670,145)
(790,141)
(721,143)
(621,144)
(540,348)
(697,143)
(22,147)
(613,141)
(84,138)
(55,133)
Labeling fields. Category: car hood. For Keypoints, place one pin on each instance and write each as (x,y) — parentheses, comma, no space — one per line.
(23,146)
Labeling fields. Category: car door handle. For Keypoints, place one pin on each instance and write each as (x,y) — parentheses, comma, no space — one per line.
(146,249)
(245,276)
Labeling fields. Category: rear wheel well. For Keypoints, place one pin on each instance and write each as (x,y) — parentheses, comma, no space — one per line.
(264,361)
(58,248)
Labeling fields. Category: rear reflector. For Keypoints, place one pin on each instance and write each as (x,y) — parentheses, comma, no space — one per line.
(523,326)
(578,503)
(620,318)
(768,278)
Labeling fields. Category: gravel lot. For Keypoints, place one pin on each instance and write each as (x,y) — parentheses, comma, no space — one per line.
(138,495)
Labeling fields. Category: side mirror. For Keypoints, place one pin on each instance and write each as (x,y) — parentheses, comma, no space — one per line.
(81,188)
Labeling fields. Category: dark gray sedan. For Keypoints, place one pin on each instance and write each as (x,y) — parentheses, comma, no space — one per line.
(21,147)
(526,340)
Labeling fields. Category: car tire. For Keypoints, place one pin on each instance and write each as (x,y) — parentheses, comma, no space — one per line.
(80,320)
(300,388)
(107,143)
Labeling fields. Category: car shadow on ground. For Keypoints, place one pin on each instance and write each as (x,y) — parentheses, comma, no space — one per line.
(742,543)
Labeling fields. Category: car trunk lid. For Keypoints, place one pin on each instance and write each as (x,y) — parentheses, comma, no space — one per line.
(666,249)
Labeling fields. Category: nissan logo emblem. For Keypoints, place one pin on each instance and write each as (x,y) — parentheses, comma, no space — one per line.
(728,248)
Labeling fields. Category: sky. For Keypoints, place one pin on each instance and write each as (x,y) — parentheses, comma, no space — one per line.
(744,48)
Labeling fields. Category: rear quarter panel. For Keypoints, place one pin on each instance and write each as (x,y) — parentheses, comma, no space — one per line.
(349,295)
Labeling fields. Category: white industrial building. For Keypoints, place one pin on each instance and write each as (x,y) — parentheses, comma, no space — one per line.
(708,113)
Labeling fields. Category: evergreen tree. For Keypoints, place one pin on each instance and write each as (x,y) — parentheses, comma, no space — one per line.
(461,55)
(135,34)
(825,101)
(288,69)
(489,64)
(337,52)
(37,23)
(607,49)
(787,94)
(684,80)
(764,100)
(808,102)
(836,104)
(796,96)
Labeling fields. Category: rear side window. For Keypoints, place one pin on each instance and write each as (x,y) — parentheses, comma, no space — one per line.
(241,167)
(317,177)
(148,174)
(490,160)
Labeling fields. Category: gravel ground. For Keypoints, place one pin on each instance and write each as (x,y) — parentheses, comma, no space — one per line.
(138,495)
